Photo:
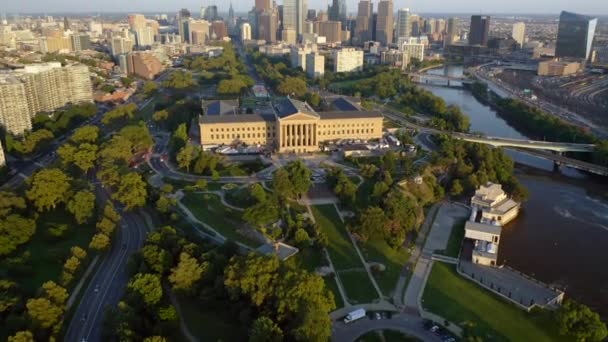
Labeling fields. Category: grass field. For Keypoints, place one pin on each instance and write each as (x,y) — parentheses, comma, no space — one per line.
(47,254)
(378,250)
(358,287)
(333,287)
(456,237)
(209,209)
(341,249)
(208,325)
(460,300)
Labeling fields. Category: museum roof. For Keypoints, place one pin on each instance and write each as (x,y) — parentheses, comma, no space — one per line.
(289,106)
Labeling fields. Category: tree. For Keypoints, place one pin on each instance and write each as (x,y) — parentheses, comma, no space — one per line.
(9,295)
(85,134)
(265,329)
(82,206)
(302,237)
(262,213)
(257,192)
(10,202)
(179,80)
(160,115)
(120,114)
(78,252)
(292,86)
(456,188)
(254,275)
(201,184)
(138,135)
(282,184)
(179,137)
(155,339)
(55,293)
(578,321)
(185,156)
(231,87)
(106,226)
(371,223)
(118,148)
(299,176)
(85,156)
(22,336)
(48,188)
(71,264)
(187,272)
(132,191)
(147,286)
(14,231)
(100,242)
(149,88)
(110,212)
(43,312)
(345,189)
(34,141)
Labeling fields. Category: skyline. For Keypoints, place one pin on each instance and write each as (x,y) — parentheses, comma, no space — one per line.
(590,7)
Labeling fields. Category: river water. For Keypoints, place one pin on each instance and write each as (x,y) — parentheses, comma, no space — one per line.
(561,235)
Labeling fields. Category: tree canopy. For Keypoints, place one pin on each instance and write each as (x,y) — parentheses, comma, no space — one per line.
(48,187)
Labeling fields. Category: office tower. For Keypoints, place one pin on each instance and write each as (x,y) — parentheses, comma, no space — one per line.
(96,28)
(404,25)
(480,29)
(315,65)
(294,15)
(218,30)
(413,50)
(144,34)
(261,5)
(519,32)
(267,26)
(289,37)
(364,27)
(416,30)
(384,23)
(337,11)
(121,45)
(183,16)
(198,32)
(440,25)
(452,33)
(311,14)
(348,60)
(309,27)
(81,42)
(144,64)
(575,35)
(2,157)
(66,24)
(211,13)
(297,55)
(245,31)
(252,17)
(55,44)
(429,26)
(230,14)
(40,88)
(202,12)
(322,16)
(331,30)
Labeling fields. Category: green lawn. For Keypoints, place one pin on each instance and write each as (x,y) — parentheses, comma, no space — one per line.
(180,184)
(47,254)
(386,336)
(377,250)
(330,282)
(209,209)
(341,249)
(460,300)
(209,325)
(456,237)
(358,286)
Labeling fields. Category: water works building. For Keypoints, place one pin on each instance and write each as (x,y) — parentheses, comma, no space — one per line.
(287,125)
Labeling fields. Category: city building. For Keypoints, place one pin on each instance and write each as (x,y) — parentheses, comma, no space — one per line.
(40,88)
(183,16)
(80,42)
(480,30)
(262,5)
(297,55)
(218,30)
(519,33)
(315,65)
(267,26)
(289,36)
(293,126)
(121,45)
(337,11)
(413,50)
(294,15)
(331,30)
(558,68)
(575,35)
(364,24)
(348,60)
(384,22)
(491,210)
(198,32)
(245,31)
(144,64)
(211,13)
(404,25)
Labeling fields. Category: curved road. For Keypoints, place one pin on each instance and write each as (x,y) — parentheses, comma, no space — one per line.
(109,281)
(409,324)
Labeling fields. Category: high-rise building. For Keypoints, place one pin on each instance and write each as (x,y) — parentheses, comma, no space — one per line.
(218,30)
(384,23)
(322,16)
(261,5)
(40,88)
(315,65)
(452,32)
(294,15)
(289,36)
(81,42)
(413,50)
(144,64)
(245,31)
(480,30)
(337,11)
(348,60)
(364,26)
(198,32)
(416,27)
(297,55)
(66,24)
(519,33)
(331,30)
(121,45)
(575,35)
(311,14)
(211,13)
(404,25)
(267,26)
(440,25)
(429,26)
(183,17)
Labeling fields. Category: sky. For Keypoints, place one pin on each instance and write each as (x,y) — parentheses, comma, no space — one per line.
(593,7)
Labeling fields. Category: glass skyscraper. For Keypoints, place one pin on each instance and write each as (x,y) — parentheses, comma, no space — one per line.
(575,35)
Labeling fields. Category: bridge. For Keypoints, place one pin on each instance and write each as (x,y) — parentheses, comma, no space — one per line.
(525,144)
(438,80)
(559,161)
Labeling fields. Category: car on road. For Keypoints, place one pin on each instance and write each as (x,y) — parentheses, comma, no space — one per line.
(378,315)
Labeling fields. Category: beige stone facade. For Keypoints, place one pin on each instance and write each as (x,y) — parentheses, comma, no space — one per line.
(293,127)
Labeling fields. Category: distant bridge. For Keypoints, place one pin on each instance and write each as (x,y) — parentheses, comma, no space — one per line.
(559,161)
(526,144)
(438,80)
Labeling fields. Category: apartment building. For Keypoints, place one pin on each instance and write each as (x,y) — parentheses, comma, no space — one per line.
(348,60)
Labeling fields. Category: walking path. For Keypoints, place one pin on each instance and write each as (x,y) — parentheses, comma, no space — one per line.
(182,324)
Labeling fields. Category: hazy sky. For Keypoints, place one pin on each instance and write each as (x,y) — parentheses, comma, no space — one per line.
(593,7)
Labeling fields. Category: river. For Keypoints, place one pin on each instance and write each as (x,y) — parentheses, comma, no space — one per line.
(562,231)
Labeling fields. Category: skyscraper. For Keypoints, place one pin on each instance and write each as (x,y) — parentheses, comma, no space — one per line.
(267,26)
(452,31)
(364,27)
(384,23)
(245,31)
(182,24)
(519,33)
(575,35)
(337,11)
(261,5)
(294,15)
(480,29)
(404,26)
